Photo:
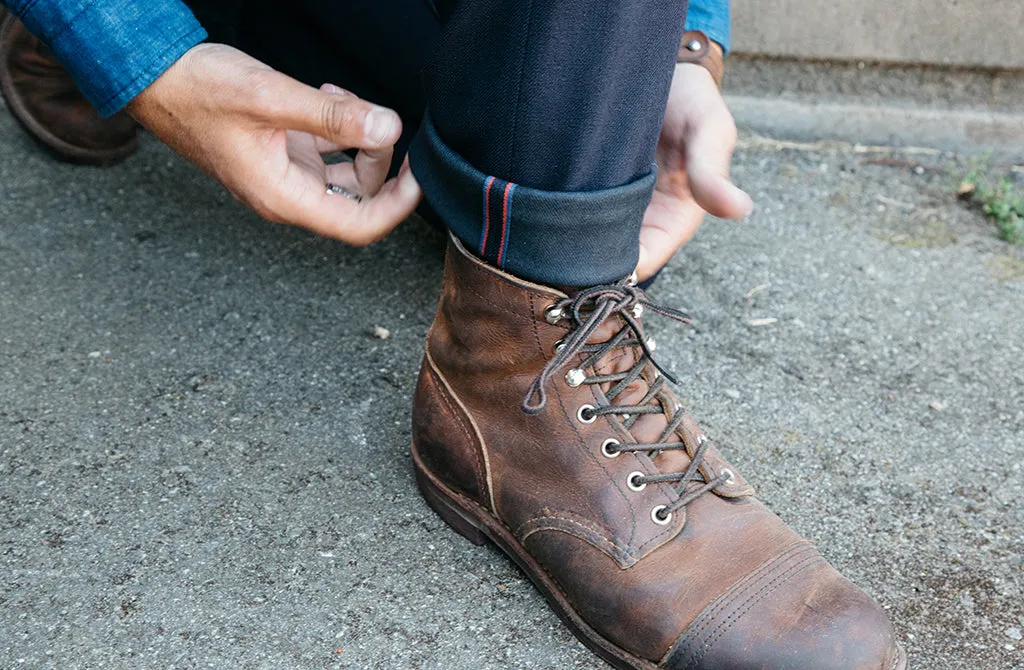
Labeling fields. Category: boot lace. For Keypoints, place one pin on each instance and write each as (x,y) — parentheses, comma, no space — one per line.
(587,311)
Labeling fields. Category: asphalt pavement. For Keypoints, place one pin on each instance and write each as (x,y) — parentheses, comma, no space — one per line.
(204,448)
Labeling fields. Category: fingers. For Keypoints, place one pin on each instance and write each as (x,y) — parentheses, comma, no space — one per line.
(371,168)
(669,223)
(356,222)
(709,148)
(371,165)
(341,118)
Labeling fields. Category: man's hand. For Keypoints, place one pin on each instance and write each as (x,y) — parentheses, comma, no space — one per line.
(693,158)
(261,134)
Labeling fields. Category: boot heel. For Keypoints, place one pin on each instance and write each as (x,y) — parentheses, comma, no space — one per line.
(446,508)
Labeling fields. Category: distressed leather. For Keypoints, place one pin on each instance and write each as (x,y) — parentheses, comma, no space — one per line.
(725,585)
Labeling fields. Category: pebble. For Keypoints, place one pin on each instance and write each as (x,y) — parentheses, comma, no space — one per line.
(733,393)
(381,333)
(1014,634)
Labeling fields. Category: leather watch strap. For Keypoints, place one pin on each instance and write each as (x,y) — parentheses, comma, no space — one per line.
(696,48)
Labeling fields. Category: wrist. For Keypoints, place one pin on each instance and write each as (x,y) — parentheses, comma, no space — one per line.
(696,48)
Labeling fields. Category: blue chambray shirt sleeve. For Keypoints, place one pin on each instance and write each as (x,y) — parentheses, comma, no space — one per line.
(712,18)
(113,48)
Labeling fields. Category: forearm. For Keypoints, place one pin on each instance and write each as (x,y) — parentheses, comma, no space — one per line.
(112,48)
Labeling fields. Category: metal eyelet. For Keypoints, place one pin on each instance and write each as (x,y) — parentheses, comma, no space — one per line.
(659,518)
(729,477)
(638,310)
(608,450)
(633,280)
(632,484)
(652,344)
(584,411)
(553,314)
(575,377)
(558,346)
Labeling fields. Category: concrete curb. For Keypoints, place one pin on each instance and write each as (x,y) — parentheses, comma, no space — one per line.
(967,131)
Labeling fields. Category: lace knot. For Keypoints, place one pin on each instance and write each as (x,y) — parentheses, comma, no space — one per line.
(587,311)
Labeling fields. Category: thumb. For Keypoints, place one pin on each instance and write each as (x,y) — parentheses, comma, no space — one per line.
(708,155)
(339,117)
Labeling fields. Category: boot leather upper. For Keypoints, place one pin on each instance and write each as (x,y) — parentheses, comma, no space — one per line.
(722,583)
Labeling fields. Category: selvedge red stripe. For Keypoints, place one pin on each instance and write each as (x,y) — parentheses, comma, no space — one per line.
(504,222)
(487,214)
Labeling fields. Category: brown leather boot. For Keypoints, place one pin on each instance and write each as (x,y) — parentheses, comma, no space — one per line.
(541,423)
(45,100)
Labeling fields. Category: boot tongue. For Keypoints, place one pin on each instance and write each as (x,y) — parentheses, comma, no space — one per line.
(646,427)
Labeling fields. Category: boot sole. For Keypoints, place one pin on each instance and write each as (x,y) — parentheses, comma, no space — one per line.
(61,149)
(469,519)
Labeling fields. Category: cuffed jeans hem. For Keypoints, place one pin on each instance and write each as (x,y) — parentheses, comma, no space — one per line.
(569,238)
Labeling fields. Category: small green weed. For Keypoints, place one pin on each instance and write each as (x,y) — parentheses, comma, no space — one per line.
(1003,203)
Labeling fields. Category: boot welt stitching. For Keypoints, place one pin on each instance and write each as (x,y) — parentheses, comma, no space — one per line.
(797,551)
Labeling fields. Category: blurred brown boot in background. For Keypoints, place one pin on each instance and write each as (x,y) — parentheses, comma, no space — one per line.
(44,98)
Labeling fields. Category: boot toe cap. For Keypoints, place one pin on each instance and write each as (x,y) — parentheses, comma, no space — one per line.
(806,616)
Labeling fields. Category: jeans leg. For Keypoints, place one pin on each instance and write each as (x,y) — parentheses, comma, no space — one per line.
(537,146)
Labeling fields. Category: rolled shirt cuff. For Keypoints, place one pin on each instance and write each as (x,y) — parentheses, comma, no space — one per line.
(712,18)
(112,48)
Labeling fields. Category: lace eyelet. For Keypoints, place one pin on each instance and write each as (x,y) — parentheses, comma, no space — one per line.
(585,414)
(558,346)
(554,314)
(575,377)
(608,448)
(633,484)
(659,518)
(729,477)
(638,310)
(633,280)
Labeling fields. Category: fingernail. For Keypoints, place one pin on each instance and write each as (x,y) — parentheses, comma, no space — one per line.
(379,125)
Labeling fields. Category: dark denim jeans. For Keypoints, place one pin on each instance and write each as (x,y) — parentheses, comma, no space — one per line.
(531,125)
